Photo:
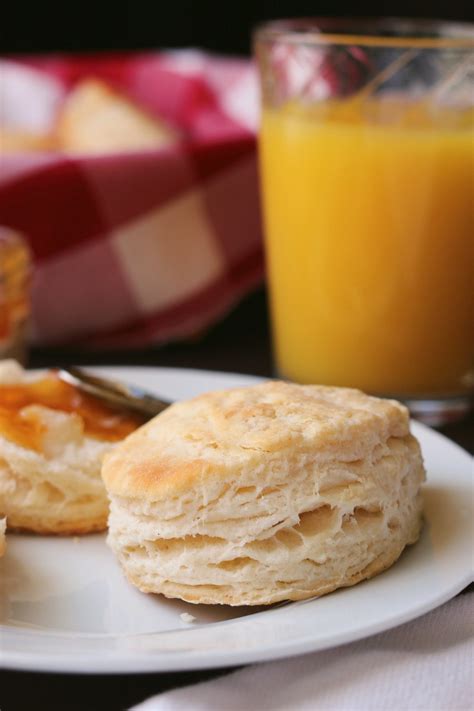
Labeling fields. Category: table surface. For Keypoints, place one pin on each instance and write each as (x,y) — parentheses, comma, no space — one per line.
(241,343)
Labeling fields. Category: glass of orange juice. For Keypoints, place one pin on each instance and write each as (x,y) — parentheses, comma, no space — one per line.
(367,157)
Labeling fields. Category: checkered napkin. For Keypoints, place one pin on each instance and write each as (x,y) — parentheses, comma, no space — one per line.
(140,247)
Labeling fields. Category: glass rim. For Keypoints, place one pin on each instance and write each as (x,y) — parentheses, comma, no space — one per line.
(365,31)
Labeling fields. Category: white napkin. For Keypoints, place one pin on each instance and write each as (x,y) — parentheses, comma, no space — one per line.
(425,665)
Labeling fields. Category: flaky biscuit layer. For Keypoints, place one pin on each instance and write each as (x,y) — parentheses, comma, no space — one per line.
(58,489)
(261,494)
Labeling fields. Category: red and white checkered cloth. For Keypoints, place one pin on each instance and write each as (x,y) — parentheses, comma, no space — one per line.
(142,247)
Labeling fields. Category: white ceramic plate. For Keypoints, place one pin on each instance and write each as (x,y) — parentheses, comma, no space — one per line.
(65,606)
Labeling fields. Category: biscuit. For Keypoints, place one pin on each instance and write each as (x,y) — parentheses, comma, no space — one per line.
(56,487)
(97,119)
(256,495)
(20,141)
(3,526)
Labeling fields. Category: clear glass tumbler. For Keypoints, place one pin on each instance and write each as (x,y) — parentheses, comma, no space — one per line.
(366,152)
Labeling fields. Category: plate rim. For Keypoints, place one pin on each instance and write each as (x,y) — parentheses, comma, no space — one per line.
(146,663)
(133,662)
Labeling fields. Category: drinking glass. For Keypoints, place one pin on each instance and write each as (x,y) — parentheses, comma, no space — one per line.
(366,154)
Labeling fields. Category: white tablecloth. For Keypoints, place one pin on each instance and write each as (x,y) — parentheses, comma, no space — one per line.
(424,665)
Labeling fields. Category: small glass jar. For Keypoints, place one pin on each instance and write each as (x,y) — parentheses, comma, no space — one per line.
(15,273)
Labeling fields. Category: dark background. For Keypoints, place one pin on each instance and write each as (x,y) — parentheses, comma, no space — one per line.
(221,26)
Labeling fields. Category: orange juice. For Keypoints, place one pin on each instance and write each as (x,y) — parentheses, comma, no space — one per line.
(369,235)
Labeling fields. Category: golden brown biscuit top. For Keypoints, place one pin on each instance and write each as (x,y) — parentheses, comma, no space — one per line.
(215,434)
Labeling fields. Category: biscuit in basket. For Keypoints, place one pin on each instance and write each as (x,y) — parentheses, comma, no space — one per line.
(20,141)
(3,526)
(50,459)
(97,119)
(256,495)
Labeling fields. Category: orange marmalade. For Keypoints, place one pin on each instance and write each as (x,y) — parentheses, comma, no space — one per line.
(100,420)
(15,268)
